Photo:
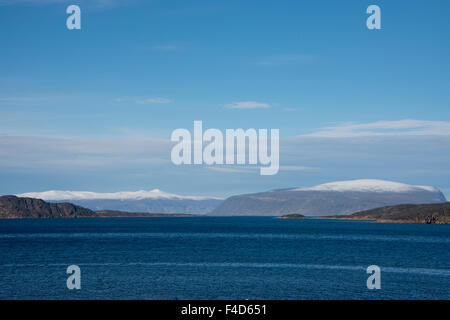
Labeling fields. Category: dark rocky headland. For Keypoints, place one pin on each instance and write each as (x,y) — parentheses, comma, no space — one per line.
(437,213)
(12,207)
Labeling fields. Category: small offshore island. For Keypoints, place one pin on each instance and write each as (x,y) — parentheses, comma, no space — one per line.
(292,216)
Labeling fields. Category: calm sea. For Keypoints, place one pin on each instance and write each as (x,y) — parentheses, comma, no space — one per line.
(222,258)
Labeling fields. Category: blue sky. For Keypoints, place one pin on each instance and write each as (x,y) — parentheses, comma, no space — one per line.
(93,109)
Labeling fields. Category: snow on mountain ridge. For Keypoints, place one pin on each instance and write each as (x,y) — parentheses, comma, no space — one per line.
(58,195)
(367,185)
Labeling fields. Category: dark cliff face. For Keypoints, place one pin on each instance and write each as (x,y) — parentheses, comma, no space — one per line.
(14,207)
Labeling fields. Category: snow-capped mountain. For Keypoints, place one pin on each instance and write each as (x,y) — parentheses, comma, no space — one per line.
(342,197)
(123,195)
(367,185)
(152,201)
(334,198)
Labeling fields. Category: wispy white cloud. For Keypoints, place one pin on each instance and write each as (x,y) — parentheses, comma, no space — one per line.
(414,159)
(24,101)
(288,109)
(407,127)
(253,168)
(298,168)
(248,105)
(62,154)
(232,169)
(154,100)
(285,59)
(15,99)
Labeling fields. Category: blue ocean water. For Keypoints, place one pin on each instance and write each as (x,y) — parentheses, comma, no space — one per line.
(222,258)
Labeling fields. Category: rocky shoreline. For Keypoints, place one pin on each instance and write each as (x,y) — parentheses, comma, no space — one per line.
(438,213)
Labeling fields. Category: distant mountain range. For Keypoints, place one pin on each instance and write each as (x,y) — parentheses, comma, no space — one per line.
(336,198)
(139,201)
(351,200)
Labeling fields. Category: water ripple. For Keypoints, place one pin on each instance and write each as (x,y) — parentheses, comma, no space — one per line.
(424,271)
(188,235)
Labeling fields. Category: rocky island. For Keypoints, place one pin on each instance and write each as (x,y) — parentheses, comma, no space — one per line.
(292,216)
